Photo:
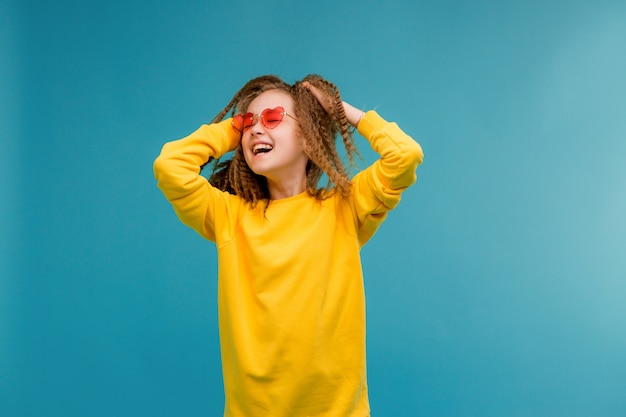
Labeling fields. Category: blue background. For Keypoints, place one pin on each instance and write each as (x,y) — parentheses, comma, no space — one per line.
(497,287)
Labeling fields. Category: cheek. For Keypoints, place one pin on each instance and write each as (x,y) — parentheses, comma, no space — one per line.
(244,145)
(246,156)
(245,139)
(245,142)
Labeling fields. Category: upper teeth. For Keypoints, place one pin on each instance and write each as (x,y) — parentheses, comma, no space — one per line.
(261,147)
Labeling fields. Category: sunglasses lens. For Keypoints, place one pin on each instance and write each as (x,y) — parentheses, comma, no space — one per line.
(238,123)
(272,117)
(248,120)
(243,121)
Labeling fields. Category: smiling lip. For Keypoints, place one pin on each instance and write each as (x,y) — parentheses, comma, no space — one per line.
(261,147)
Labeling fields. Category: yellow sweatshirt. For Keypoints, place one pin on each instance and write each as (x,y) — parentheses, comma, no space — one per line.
(291,300)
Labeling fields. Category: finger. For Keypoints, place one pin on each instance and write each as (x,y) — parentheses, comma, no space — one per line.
(314,90)
(321,97)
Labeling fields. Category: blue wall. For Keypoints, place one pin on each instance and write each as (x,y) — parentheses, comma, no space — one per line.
(497,288)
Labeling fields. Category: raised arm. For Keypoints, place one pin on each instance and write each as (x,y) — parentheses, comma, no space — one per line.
(377,189)
(177,170)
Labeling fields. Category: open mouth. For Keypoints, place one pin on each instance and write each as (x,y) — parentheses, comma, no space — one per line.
(261,148)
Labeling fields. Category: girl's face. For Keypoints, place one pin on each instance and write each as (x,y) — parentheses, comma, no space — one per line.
(276,152)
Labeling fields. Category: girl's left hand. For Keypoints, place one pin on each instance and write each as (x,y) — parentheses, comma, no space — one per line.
(353,114)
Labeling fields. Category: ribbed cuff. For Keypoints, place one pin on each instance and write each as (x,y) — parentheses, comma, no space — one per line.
(370,123)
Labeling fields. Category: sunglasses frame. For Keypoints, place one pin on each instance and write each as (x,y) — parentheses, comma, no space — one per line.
(240,118)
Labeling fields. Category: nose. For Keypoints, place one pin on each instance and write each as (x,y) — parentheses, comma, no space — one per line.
(256,127)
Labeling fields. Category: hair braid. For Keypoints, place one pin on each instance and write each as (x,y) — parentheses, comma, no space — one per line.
(322,150)
(220,116)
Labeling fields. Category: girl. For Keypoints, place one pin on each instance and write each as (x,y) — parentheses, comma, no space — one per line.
(291,300)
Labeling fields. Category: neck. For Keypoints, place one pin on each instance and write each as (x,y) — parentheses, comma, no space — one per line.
(285,189)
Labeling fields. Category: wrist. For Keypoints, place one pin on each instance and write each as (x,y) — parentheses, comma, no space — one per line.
(360,115)
(353,114)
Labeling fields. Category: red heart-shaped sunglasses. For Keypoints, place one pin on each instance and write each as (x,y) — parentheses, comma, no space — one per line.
(270,118)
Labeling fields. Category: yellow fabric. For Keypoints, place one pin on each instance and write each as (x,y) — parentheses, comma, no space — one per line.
(290,287)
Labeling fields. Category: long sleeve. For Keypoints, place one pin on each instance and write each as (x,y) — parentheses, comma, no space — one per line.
(177,170)
(378,188)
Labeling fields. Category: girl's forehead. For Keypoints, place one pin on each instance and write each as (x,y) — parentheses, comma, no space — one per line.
(269,100)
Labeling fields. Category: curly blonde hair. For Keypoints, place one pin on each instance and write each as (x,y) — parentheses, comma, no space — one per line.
(319,130)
